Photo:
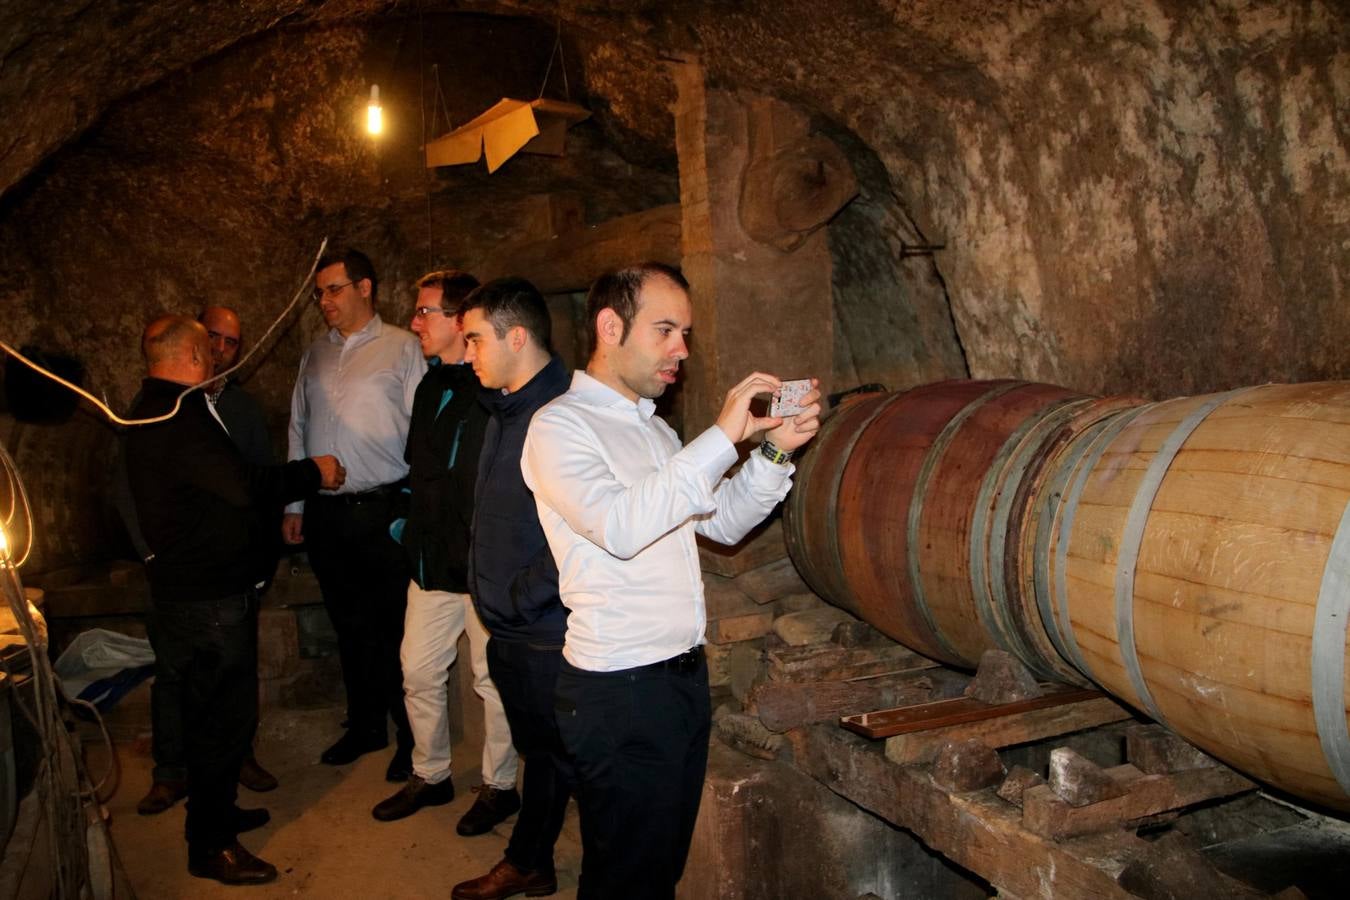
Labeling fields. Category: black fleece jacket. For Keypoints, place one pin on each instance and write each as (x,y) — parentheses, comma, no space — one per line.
(512,576)
(202,508)
(445,439)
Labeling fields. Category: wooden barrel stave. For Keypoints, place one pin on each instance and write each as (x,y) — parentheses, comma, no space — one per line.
(811,521)
(875,532)
(1227,575)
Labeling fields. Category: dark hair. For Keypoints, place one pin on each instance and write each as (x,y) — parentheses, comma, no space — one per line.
(508,302)
(618,290)
(454,284)
(355,263)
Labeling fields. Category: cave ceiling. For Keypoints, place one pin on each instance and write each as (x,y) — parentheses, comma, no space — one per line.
(65,63)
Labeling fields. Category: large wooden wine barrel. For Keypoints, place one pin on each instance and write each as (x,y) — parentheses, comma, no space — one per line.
(1198,567)
(902,508)
(1192,557)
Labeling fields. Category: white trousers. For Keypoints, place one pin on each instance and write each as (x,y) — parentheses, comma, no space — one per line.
(431,630)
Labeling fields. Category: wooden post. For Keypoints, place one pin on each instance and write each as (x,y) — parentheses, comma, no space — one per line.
(757,306)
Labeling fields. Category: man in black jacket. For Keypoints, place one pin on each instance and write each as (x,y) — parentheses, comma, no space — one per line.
(445,438)
(512,577)
(202,512)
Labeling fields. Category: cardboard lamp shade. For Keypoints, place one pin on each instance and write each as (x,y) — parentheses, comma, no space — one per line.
(508,128)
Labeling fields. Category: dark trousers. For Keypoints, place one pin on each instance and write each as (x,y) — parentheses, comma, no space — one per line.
(364,579)
(210,648)
(526,675)
(168,744)
(638,739)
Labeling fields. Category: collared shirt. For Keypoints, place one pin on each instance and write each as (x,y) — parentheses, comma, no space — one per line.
(353,399)
(620,503)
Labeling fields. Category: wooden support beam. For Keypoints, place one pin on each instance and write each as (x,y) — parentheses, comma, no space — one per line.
(783,705)
(834,663)
(1017,862)
(1007,729)
(570,261)
(1046,814)
(926,716)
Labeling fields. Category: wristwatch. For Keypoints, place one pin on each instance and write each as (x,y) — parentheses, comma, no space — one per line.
(773,454)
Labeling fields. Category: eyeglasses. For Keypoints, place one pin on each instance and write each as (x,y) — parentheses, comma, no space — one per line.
(423,311)
(331,290)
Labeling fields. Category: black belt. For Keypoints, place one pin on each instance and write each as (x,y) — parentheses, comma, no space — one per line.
(686,662)
(383,492)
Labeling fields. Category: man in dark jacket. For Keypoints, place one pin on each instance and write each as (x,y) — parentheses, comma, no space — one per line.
(512,577)
(243,418)
(202,512)
(445,438)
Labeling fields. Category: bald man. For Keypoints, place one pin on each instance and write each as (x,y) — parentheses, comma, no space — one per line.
(201,509)
(243,418)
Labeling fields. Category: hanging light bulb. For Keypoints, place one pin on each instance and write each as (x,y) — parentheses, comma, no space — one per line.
(4,545)
(374,114)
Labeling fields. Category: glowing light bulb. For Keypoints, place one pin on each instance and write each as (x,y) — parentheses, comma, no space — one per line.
(4,545)
(374,114)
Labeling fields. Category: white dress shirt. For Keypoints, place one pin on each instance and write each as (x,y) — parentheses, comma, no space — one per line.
(353,399)
(620,502)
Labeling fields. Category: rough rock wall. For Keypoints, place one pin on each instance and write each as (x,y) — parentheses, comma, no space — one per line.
(1134,196)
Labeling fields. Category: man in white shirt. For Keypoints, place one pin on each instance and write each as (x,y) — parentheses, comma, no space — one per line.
(620,502)
(354,397)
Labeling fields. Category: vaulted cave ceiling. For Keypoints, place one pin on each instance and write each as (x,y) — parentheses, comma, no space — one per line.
(1107,181)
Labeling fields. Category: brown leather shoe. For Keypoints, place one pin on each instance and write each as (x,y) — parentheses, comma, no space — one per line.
(161,796)
(492,807)
(230,865)
(505,880)
(256,778)
(414,795)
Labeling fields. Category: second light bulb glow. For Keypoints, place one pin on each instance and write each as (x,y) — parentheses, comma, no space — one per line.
(374,114)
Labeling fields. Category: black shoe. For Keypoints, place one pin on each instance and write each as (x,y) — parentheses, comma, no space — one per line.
(161,796)
(256,778)
(400,767)
(230,865)
(492,807)
(413,796)
(249,819)
(352,745)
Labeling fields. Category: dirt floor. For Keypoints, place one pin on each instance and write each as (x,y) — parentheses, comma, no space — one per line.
(321,838)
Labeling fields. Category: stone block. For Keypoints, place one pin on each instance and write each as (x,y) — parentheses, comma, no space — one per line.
(745,627)
(772,581)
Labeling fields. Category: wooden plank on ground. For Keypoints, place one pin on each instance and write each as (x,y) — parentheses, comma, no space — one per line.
(924,716)
(1044,813)
(830,662)
(976,830)
(782,705)
(1008,729)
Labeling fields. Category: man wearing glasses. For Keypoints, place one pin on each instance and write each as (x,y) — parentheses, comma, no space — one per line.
(444,443)
(354,396)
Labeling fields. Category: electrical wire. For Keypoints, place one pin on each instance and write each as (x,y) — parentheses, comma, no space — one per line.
(114,417)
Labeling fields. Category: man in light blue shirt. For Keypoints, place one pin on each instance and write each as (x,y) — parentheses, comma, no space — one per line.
(355,392)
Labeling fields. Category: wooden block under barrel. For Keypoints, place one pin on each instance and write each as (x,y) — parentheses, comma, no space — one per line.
(784,705)
(831,662)
(926,716)
(1046,814)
